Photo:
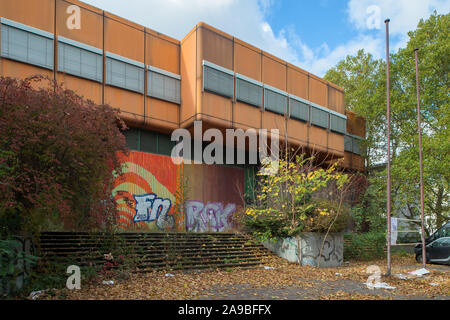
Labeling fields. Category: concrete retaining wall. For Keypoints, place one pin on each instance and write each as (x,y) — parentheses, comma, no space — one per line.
(310,244)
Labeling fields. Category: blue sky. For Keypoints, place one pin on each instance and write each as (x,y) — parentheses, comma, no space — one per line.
(314,35)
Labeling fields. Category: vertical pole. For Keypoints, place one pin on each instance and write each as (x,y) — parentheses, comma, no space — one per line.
(388,117)
(424,259)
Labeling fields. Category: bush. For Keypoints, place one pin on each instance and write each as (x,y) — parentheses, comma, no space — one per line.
(323,214)
(58,153)
(318,215)
(364,246)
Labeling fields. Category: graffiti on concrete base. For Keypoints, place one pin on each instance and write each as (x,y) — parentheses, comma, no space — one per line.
(150,208)
(310,246)
(212,216)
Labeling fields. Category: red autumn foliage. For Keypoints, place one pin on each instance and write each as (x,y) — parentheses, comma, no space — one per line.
(58,153)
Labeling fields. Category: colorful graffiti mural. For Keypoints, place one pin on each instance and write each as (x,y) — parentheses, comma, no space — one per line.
(146,192)
(212,216)
(146,195)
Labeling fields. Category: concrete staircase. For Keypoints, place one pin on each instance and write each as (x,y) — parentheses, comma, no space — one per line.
(154,251)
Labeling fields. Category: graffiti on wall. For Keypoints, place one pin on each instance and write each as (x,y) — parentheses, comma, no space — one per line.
(151,208)
(212,216)
(145,193)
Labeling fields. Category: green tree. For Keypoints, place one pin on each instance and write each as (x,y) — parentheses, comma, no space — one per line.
(432,39)
(364,80)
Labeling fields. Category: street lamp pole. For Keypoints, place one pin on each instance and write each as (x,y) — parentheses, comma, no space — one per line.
(424,259)
(388,117)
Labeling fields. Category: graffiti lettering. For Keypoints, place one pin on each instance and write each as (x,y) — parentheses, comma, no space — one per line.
(150,208)
(212,216)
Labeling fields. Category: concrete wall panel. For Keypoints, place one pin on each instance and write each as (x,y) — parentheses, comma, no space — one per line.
(297,83)
(247,60)
(162,53)
(274,72)
(38,14)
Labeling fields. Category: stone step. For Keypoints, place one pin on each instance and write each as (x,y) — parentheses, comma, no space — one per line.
(155,251)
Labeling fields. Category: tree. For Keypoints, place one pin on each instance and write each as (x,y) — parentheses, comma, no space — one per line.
(363,79)
(431,38)
(57,157)
(285,202)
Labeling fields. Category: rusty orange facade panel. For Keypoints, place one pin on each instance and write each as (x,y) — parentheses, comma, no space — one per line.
(273,73)
(124,40)
(336,143)
(91,25)
(14,69)
(247,61)
(246,116)
(188,65)
(272,120)
(162,114)
(318,91)
(332,99)
(317,139)
(357,162)
(162,53)
(297,83)
(88,89)
(217,107)
(298,131)
(340,103)
(356,125)
(215,48)
(130,103)
(38,14)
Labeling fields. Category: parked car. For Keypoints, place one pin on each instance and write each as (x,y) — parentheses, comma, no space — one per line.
(437,247)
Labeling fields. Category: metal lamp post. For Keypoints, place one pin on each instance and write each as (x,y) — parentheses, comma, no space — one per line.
(424,259)
(388,117)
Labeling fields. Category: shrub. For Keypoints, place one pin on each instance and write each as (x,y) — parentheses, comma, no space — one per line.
(284,204)
(323,214)
(364,246)
(58,153)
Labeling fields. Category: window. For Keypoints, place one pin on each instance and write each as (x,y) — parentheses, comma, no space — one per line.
(217,79)
(352,144)
(26,44)
(355,146)
(149,141)
(79,59)
(298,109)
(163,85)
(248,91)
(338,124)
(165,145)
(319,117)
(124,73)
(132,138)
(348,143)
(275,100)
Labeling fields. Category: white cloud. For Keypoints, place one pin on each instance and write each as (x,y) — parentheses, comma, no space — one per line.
(247,20)
(242,19)
(404,14)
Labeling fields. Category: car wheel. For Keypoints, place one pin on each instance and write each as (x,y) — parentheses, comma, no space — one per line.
(419,258)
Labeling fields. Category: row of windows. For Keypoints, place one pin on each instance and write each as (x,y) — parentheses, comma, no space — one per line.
(220,81)
(158,143)
(34,46)
(31,45)
(149,141)
(352,144)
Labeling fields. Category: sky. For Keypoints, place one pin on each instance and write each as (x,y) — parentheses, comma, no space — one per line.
(313,35)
